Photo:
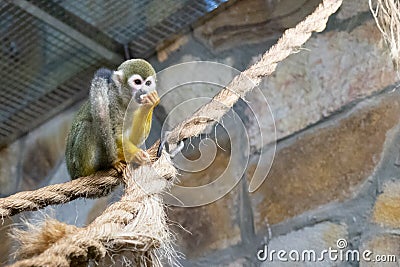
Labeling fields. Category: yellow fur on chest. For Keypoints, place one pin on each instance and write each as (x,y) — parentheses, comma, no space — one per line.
(136,134)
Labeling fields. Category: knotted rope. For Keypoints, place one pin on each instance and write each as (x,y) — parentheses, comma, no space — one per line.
(137,222)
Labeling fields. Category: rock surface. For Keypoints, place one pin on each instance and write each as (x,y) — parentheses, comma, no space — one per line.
(210,227)
(386,247)
(43,151)
(352,8)
(252,21)
(387,206)
(306,241)
(334,69)
(328,163)
(9,169)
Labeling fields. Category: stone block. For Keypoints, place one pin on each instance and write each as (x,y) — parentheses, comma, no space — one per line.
(252,21)
(44,148)
(351,8)
(334,69)
(384,251)
(387,206)
(307,243)
(326,164)
(9,164)
(208,227)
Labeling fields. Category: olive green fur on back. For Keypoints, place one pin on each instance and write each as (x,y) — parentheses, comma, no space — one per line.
(85,150)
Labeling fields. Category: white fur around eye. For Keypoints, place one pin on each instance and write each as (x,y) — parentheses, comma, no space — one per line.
(135,81)
(150,83)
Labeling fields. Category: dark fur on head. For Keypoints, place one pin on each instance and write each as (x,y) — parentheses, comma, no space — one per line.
(136,66)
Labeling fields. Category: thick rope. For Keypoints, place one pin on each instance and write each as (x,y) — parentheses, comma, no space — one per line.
(387,17)
(137,222)
(207,115)
(97,185)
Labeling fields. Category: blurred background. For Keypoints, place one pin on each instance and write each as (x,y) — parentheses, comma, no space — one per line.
(335,104)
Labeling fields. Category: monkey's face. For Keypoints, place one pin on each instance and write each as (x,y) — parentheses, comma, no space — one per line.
(140,87)
(136,78)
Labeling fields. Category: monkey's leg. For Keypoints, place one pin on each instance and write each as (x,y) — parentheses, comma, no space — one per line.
(83,153)
(164,144)
(119,163)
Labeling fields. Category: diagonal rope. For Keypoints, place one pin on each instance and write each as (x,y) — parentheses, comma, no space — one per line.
(291,40)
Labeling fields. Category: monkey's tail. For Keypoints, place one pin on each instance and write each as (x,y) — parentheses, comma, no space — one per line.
(37,238)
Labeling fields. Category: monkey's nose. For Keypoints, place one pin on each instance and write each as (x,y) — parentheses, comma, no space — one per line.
(138,95)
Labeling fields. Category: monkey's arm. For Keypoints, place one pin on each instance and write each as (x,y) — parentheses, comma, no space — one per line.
(140,129)
(136,135)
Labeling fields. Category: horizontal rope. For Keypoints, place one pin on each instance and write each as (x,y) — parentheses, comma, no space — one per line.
(93,186)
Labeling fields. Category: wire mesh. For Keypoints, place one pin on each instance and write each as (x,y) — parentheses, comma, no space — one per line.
(50,49)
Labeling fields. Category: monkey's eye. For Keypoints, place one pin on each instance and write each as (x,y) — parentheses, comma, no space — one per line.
(137,81)
(148,83)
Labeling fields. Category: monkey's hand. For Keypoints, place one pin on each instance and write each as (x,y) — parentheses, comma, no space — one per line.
(141,157)
(135,154)
(119,166)
(151,99)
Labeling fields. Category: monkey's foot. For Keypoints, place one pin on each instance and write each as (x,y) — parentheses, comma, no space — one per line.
(141,157)
(119,166)
(177,149)
(164,144)
(151,99)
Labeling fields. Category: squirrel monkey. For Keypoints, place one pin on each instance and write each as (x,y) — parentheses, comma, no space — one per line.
(95,140)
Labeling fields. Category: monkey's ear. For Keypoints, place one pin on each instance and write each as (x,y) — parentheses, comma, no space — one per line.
(118,77)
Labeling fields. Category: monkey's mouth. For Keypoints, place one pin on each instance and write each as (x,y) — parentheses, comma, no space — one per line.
(139,96)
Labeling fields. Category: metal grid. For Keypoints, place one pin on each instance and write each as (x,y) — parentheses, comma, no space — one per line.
(50,49)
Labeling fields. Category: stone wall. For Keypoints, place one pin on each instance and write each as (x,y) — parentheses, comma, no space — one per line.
(335,171)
